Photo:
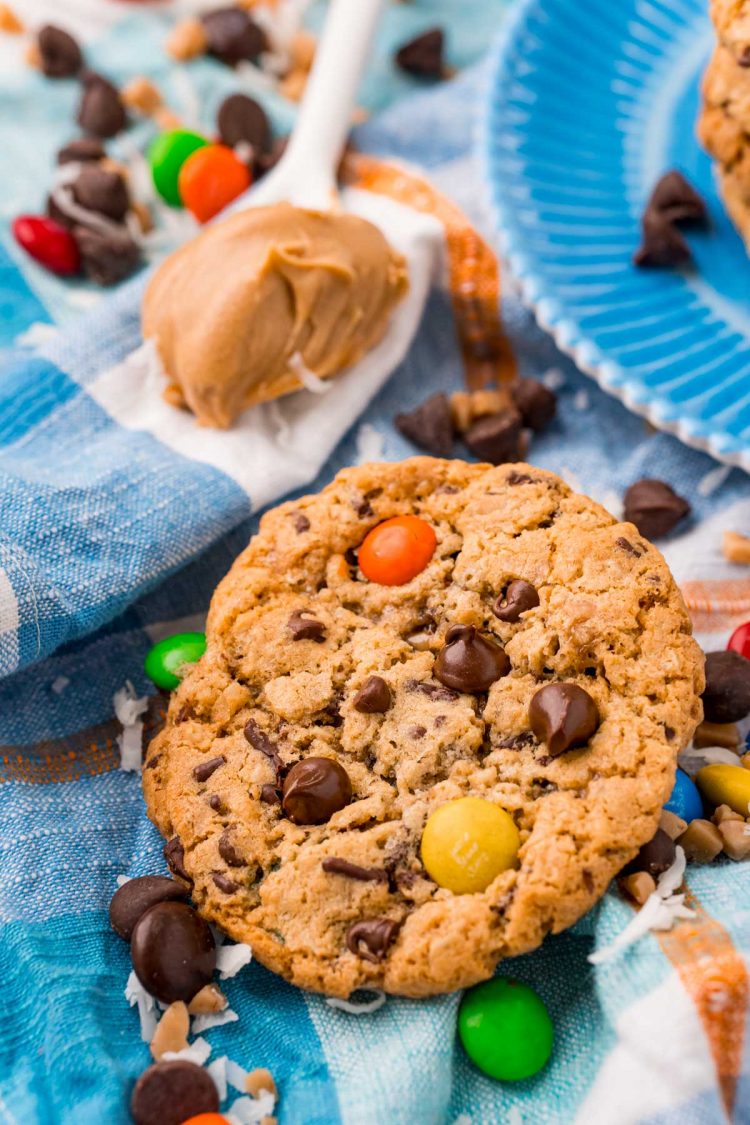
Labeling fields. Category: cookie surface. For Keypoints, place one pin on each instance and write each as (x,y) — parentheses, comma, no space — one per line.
(269,693)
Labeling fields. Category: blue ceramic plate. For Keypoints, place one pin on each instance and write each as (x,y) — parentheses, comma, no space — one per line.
(589,103)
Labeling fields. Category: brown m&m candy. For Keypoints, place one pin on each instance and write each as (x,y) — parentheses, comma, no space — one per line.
(315,789)
(470,662)
(134,898)
(519,597)
(170,1093)
(563,716)
(173,952)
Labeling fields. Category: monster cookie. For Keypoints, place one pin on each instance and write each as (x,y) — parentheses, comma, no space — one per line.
(439,708)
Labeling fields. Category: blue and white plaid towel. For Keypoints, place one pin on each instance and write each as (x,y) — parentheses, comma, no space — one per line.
(96,525)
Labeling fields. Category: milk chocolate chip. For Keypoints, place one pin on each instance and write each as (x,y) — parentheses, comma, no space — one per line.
(101,110)
(563,716)
(315,789)
(470,662)
(536,403)
(655,857)
(654,507)
(59,53)
(134,898)
(519,597)
(371,938)
(727,695)
(243,120)
(429,425)
(233,36)
(173,952)
(374,697)
(304,627)
(423,56)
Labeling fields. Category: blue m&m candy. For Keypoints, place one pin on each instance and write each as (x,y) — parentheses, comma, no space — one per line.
(685,801)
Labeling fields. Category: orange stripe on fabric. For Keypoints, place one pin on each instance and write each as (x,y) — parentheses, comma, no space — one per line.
(726,596)
(716,978)
(474,274)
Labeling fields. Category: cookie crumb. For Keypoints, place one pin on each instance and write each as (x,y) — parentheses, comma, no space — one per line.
(142,95)
(736,547)
(186,40)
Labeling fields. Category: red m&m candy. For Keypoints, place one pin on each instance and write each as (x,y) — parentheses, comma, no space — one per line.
(47,243)
(740,640)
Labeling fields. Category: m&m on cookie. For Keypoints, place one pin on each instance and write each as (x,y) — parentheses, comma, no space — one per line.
(467,843)
(397,550)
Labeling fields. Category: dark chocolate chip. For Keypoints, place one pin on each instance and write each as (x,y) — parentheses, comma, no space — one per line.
(101,111)
(588,879)
(371,938)
(107,256)
(133,899)
(423,56)
(625,545)
(374,697)
(315,789)
(563,716)
(677,200)
(103,191)
(266,161)
(469,661)
(661,244)
(536,403)
(270,795)
(429,425)
(727,695)
(59,53)
(335,866)
(228,852)
(215,802)
(243,120)
(306,628)
(168,1093)
(81,151)
(436,692)
(174,853)
(743,59)
(259,740)
(518,478)
(363,508)
(172,950)
(654,507)
(301,522)
(514,741)
(185,712)
(416,732)
(233,36)
(496,438)
(224,883)
(152,763)
(204,770)
(519,597)
(655,857)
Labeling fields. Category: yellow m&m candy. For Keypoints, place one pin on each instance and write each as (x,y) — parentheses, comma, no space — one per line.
(467,843)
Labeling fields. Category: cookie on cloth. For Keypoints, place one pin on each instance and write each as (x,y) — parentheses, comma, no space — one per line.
(731,18)
(538,661)
(726,85)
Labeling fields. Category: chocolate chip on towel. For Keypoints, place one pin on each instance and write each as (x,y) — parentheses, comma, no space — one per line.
(243,120)
(662,244)
(134,898)
(59,53)
(429,425)
(81,150)
(537,404)
(654,507)
(423,56)
(168,1093)
(233,36)
(173,952)
(655,857)
(677,200)
(107,256)
(727,695)
(103,191)
(497,438)
(101,110)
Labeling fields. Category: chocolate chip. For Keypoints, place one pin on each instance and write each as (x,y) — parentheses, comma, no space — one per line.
(203,771)
(81,151)
(416,732)
(174,854)
(743,58)
(588,879)
(232,36)
(519,597)
(423,56)
(514,741)
(677,200)
(335,866)
(243,120)
(435,692)
(168,1093)
(59,53)
(301,522)
(228,852)
(306,628)
(654,507)
(315,789)
(536,403)
(107,256)
(655,857)
(101,110)
(134,898)
(224,883)
(563,716)
(259,740)
(470,662)
(371,938)
(429,425)
(374,697)
(152,763)
(518,478)
(269,795)
(103,191)
(363,507)
(625,545)
(267,161)
(496,438)
(215,802)
(661,244)
(727,695)
(172,950)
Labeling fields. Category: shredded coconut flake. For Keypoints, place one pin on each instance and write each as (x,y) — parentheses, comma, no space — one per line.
(218,1071)
(83,299)
(370,444)
(365,1008)
(571,478)
(713,480)
(213,1019)
(135,993)
(660,911)
(121,880)
(251,1111)
(59,684)
(308,378)
(36,334)
(198,1052)
(231,958)
(581,400)
(186,94)
(128,708)
(236,1076)
(553,379)
(62,197)
(693,759)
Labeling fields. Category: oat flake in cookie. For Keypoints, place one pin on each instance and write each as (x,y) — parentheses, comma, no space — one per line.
(609,620)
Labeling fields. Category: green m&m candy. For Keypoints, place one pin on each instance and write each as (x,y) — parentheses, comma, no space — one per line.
(167,658)
(166,156)
(505,1029)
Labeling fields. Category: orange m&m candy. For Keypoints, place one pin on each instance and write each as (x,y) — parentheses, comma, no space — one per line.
(207,1119)
(210,178)
(397,550)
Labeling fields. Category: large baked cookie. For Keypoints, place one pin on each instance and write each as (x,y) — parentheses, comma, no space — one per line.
(296,634)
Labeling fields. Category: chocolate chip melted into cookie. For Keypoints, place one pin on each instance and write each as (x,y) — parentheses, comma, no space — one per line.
(414,695)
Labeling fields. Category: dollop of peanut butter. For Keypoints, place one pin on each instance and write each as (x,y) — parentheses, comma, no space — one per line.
(229,310)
